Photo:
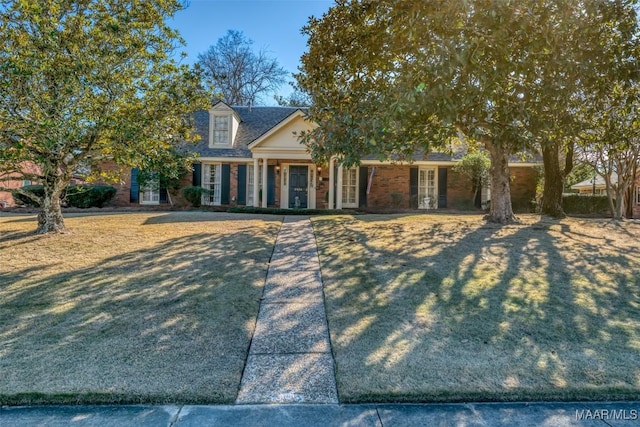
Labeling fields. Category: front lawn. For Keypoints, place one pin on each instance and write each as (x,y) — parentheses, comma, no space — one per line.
(138,307)
(441,308)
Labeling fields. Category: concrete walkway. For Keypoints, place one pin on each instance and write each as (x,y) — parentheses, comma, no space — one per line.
(290,358)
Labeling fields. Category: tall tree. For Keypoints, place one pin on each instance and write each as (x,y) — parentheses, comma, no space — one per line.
(388,77)
(239,75)
(86,81)
(611,143)
(590,47)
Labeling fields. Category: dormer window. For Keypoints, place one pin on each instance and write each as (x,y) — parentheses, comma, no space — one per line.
(221,130)
(223,126)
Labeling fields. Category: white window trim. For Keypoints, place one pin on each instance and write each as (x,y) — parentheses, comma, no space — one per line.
(212,117)
(153,189)
(638,195)
(215,198)
(354,188)
(428,201)
(251,182)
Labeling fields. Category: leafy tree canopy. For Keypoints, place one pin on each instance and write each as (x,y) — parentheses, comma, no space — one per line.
(87,81)
(392,77)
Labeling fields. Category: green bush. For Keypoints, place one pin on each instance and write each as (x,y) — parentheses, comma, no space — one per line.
(89,196)
(396,199)
(193,195)
(77,196)
(23,200)
(584,204)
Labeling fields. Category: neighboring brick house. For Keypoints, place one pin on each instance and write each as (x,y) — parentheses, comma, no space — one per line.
(248,152)
(12,181)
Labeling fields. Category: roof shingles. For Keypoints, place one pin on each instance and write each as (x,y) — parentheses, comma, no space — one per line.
(255,122)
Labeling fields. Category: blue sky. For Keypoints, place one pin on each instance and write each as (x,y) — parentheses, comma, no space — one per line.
(272,24)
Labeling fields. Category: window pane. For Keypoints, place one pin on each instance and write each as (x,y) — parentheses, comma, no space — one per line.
(349,187)
(221,130)
(212,180)
(249,185)
(427,189)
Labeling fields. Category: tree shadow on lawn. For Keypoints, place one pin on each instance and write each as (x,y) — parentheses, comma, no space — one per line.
(168,324)
(207,216)
(464,311)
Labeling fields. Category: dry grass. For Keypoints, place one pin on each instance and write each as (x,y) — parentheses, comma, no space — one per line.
(139,307)
(432,308)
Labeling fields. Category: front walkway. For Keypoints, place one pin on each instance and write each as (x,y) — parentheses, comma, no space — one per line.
(290,358)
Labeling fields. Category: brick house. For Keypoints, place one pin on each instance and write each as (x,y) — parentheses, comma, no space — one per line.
(248,152)
(11,181)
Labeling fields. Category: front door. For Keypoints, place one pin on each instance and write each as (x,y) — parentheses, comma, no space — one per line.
(298,187)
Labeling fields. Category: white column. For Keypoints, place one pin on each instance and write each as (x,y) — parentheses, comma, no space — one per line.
(256,177)
(339,189)
(331,183)
(264,183)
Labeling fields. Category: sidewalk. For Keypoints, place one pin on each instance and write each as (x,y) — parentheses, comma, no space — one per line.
(579,414)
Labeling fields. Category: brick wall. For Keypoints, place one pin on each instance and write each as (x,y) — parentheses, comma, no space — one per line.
(459,191)
(523,188)
(6,198)
(389,179)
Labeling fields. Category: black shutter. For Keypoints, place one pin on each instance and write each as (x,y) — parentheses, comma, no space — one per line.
(134,192)
(197,174)
(242,184)
(226,184)
(163,195)
(271,185)
(362,184)
(442,187)
(413,187)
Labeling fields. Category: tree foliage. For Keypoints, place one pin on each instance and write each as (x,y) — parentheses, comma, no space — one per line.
(611,143)
(87,81)
(392,77)
(239,75)
(475,165)
(297,98)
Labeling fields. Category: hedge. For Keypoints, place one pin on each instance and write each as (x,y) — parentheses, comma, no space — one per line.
(585,204)
(21,199)
(89,196)
(193,195)
(78,196)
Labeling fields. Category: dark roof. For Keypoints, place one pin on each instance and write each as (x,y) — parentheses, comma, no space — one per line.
(255,122)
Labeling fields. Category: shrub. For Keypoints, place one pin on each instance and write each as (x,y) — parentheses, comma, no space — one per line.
(89,196)
(193,195)
(584,204)
(78,196)
(396,199)
(23,200)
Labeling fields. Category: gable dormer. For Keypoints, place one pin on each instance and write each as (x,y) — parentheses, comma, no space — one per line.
(223,126)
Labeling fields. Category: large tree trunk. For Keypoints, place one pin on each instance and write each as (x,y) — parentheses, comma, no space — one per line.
(553,181)
(50,216)
(501,210)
